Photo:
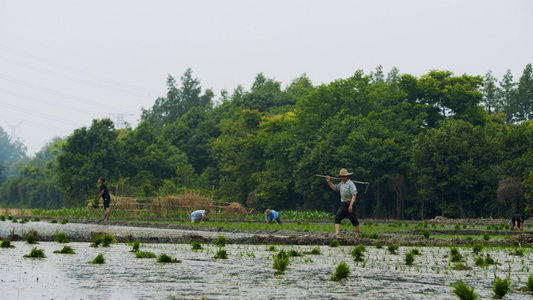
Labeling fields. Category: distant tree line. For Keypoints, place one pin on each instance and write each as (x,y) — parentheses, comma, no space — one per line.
(435,145)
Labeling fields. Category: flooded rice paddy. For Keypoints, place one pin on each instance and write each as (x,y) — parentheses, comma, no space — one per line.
(248,273)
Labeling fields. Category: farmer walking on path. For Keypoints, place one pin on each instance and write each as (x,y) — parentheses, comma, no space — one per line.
(104,193)
(348,193)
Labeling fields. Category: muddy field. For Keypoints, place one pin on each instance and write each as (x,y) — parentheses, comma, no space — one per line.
(248,271)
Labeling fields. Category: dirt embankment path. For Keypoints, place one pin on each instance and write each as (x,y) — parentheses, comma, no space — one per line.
(157,232)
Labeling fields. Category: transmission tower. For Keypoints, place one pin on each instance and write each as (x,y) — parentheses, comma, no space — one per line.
(120,119)
(13,127)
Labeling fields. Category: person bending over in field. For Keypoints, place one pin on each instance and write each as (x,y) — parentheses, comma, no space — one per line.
(348,193)
(271,216)
(199,215)
(517,221)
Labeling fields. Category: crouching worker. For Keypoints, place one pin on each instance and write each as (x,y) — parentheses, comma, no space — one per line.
(199,215)
(272,215)
(517,221)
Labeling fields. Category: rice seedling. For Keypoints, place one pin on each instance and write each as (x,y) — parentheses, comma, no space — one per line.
(518,252)
(477,248)
(392,248)
(36,253)
(135,246)
(334,243)
(99,259)
(97,240)
(24,221)
(461,267)
(479,261)
(30,238)
(107,239)
(196,246)
(358,253)
(379,245)
(53,221)
(341,272)
(409,258)
(222,254)
(65,250)
(415,251)
(144,254)
(6,244)
(529,285)
(221,241)
(10,217)
(457,226)
(271,248)
(463,291)
(36,219)
(315,251)
(14,220)
(489,260)
(282,254)
(164,258)
(61,237)
(370,235)
(501,286)
(294,253)
(426,234)
(455,255)
(2,218)
(486,237)
(280,263)
(64,221)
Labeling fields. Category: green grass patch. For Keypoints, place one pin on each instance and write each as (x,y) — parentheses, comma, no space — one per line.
(36,253)
(463,291)
(99,259)
(164,258)
(144,254)
(61,237)
(65,250)
(341,272)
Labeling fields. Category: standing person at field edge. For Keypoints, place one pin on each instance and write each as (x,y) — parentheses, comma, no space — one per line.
(517,221)
(199,215)
(104,193)
(348,193)
(271,216)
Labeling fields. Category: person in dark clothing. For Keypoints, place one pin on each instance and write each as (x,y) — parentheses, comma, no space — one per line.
(104,194)
(517,221)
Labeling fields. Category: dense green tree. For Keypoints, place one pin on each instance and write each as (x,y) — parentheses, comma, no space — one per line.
(492,94)
(10,152)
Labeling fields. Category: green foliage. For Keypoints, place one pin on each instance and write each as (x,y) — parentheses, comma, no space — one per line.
(6,244)
(455,255)
(61,237)
(393,248)
(294,253)
(501,286)
(477,248)
(221,241)
(30,238)
(426,234)
(463,291)
(272,248)
(36,219)
(358,253)
(64,221)
(66,250)
(107,239)
(341,272)
(222,254)
(97,240)
(486,236)
(379,245)
(409,258)
(135,246)
(164,258)
(99,259)
(144,254)
(196,246)
(315,251)
(36,253)
(280,263)
(529,284)
(334,243)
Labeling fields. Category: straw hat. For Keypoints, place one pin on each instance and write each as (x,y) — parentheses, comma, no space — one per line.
(268,211)
(344,172)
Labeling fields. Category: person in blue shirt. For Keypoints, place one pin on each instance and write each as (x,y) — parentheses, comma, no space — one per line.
(348,193)
(272,215)
(199,215)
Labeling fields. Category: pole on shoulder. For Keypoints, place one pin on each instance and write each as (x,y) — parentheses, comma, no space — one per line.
(360,182)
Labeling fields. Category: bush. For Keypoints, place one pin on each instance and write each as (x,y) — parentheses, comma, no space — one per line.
(463,291)
(501,287)
(342,271)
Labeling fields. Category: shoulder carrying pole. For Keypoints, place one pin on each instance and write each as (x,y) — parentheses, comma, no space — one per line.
(360,182)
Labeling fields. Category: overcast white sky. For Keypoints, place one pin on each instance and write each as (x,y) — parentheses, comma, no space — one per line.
(64,63)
